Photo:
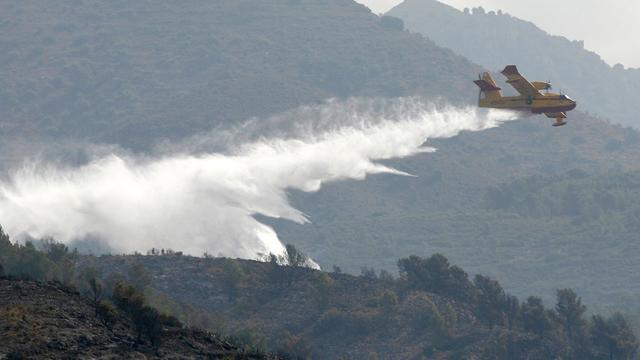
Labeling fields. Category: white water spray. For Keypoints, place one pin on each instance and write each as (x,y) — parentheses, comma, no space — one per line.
(206,202)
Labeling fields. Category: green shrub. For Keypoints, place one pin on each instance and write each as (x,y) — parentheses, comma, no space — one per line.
(436,275)
(249,340)
(295,257)
(107,313)
(170,321)
(233,277)
(347,323)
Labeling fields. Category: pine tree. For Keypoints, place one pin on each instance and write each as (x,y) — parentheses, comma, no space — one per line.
(491,300)
(613,337)
(570,311)
(96,292)
(511,308)
(534,317)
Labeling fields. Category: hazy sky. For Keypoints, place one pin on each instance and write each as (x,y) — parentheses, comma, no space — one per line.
(610,28)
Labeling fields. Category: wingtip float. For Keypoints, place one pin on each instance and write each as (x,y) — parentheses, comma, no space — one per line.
(531,99)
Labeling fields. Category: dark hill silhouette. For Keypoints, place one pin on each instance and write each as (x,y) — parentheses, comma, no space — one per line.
(494,40)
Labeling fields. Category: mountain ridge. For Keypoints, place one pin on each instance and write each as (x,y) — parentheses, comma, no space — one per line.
(495,39)
(138,74)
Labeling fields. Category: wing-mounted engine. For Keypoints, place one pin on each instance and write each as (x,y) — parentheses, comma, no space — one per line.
(541,85)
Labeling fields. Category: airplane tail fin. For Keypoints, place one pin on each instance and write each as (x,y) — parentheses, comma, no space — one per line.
(489,87)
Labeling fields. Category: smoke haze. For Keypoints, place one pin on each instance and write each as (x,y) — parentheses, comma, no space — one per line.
(196,199)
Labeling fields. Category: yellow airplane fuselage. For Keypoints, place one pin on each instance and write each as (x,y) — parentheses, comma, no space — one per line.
(547,103)
(531,98)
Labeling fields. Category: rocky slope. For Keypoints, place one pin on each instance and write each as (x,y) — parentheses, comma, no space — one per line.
(50,321)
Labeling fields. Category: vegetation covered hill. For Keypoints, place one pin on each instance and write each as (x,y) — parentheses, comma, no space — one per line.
(433,311)
(133,73)
(494,40)
(450,208)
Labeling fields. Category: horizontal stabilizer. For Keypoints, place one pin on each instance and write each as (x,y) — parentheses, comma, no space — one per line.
(510,70)
(484,85)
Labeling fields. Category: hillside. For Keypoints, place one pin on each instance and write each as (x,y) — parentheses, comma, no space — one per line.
(444,209)
(48,320)
(494,40)
(135,306)
(433,311)
(135,73)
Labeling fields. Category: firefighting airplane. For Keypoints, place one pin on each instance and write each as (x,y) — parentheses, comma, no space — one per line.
(554,106)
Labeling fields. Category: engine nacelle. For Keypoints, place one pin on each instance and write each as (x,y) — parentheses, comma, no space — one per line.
(541,85)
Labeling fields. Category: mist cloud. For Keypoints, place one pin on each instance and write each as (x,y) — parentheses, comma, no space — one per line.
(194,200)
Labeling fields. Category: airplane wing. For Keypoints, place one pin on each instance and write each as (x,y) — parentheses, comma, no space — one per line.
(522,85)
